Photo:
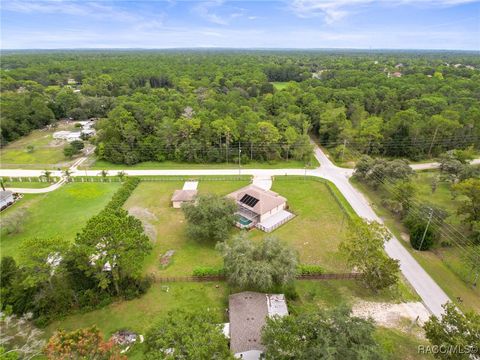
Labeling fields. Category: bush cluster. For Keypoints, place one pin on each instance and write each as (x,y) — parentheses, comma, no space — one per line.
(208,271)
(121,196)
(307,269)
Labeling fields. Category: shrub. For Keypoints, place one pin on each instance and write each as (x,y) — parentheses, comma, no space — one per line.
(123,194)
(208,271)
(307,269)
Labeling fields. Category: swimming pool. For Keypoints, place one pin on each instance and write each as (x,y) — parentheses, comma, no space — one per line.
(243,220)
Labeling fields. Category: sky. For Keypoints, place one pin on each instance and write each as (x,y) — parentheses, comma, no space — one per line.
(360,24)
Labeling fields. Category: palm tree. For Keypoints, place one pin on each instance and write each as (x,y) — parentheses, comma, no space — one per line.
(47,175)
(103,174)
(121,175)
(67,174)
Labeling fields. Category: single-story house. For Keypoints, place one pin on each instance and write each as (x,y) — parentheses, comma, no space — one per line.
(248,312)
(6,198)
(187,194)
(67,135)
(264,209)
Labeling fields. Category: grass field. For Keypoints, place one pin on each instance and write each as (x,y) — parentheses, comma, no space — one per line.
(279,85)
(27,184)
(443,264)
(319,225)
(47,152)
(290,164)
(153,198)
(62,212)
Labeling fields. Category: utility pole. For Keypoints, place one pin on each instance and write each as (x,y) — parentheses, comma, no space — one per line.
(343,150)
(239,159)
(426,229)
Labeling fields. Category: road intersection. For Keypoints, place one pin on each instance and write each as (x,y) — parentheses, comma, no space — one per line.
(431,294)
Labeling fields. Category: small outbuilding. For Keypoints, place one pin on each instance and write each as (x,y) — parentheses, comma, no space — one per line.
(6,199)
(187,194)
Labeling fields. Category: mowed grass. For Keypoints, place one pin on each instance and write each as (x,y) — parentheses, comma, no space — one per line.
(142,313)
(47,151)
(318,227)
(153,198)
(171,165)
(27,184)
(62,213)
(444,265)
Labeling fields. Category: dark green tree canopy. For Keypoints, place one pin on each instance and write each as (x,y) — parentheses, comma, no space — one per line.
(332,334)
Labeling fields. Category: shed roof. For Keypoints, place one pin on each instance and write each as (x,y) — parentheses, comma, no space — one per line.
(184,195)
(5,194)
(267,200)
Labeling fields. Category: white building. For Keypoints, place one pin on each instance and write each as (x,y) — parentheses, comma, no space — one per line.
(261,208)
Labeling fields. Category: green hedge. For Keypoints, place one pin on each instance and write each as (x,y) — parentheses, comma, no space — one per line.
(121,196)
(208,271)
(305,269)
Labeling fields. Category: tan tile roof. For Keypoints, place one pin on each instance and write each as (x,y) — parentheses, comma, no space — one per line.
(268,200)
(184,195)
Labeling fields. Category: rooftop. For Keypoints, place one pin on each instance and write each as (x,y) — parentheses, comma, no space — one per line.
(5,194)
(184,195)
(248,312)
(256,199)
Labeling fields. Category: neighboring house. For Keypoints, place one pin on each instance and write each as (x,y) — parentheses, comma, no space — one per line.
(261,208)
(6,199)
(248,312)
(187,194)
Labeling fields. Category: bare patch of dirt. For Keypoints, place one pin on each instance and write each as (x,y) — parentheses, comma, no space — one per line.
(407,317)
(146,217)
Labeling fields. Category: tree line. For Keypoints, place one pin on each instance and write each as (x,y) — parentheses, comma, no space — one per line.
(202,106)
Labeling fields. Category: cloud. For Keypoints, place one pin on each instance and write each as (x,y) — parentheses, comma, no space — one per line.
(95,10)
(215,12)
(335,10)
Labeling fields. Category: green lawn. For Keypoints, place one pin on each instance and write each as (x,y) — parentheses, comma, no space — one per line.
(169,225)
(443,264)
(319,225)
(279,85)
(62,212)
(140,314)
(290,164)
(47,153)
(27,184)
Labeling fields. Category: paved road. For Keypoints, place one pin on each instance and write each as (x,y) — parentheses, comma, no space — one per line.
(432,295)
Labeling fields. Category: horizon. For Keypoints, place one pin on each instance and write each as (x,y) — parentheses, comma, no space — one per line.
(448,25)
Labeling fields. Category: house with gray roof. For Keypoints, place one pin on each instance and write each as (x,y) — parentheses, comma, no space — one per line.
(6,198)
(248,312)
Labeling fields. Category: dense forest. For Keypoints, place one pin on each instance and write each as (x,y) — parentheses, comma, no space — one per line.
(211,106)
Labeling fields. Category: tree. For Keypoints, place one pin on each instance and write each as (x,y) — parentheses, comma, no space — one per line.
(42,256)
(210,219)
(258,266)
(323,334)
(456,333)
(472,259)
(103,174)
(112,247)
(85,343)
(418,225)
(121,175)
(67,174)
(363,248)
(403,193)
(47,175)
(74,148)
(187,335)
(470,207)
